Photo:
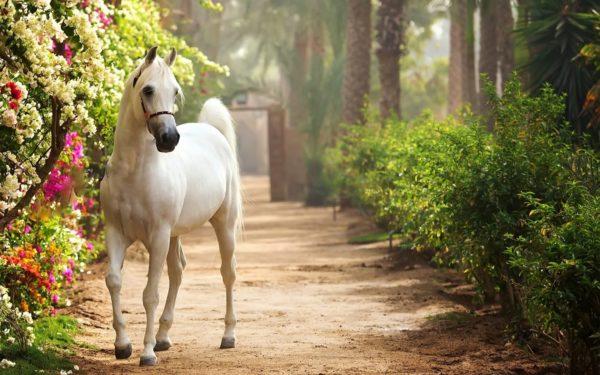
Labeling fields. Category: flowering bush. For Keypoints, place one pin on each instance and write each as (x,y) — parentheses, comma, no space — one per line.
(44,249)
(15,326)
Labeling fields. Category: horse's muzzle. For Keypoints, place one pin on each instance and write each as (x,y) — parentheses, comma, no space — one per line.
(167,139)
(165,133)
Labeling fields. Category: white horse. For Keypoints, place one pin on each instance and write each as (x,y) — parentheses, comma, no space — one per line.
(159,186)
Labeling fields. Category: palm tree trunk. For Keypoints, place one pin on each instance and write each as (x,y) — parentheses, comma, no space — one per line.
(506,43)
(469,77)
(390,39)
(358,61)
(488,53)
(458,54)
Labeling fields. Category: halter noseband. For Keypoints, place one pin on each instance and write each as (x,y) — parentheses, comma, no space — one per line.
(148,116)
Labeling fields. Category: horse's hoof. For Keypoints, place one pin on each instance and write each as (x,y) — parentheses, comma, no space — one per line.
(162,345)
(123,353)
(148,361)
(227,342)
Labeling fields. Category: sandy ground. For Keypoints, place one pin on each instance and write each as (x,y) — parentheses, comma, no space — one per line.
(307,302)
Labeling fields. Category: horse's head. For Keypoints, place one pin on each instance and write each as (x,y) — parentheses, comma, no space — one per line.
(155,91)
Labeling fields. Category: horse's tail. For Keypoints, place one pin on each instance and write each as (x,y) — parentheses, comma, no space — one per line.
(216,114)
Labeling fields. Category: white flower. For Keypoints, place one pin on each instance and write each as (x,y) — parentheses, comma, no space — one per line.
(5,363)
(10,340)
(27,316)
(9,118)
(75,367)
(44,4)
(9,188)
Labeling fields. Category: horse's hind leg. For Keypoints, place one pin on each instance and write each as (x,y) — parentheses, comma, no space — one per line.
(116,244)
(225,230)
(175,264)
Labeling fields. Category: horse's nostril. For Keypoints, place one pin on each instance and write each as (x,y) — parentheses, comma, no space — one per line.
(177,138)
(164,137)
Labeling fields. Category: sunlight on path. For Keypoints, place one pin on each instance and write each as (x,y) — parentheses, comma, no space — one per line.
(307,301)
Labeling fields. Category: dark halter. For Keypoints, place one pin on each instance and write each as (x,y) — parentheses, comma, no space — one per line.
(148,116)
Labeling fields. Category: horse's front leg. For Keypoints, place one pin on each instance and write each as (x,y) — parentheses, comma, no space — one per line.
(175,264)
(158,248)
(116,244)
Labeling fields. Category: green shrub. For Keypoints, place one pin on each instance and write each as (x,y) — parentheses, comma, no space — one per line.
(475,197)
(559,269)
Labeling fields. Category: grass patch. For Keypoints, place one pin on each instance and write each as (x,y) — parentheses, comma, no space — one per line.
(372,237)
(451,319)
(53,341)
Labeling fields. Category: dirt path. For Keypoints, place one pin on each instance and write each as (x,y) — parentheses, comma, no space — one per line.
(308,302)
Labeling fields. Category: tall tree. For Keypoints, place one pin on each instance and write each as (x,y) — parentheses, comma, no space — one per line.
(461,76)
(458,52)
(390,40)
(488,51)
(469,76)
(506,44)
(356,82)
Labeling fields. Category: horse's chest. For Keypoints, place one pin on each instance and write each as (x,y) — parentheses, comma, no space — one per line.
(139,209)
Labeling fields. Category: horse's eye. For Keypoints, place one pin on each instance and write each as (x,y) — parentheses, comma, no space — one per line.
(176,92)
(148,90)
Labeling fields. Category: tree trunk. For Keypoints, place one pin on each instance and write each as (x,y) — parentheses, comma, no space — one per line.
(522,51)
(488,52)
(469,77)
(358,61)
(294,140)
(57,143)
(390,39)
(506,45)
(457,54)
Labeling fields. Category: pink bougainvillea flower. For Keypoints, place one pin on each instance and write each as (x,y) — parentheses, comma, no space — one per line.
(51,279)
(27,229)
(52,259)
(53,312)
(77,153)
(69,137)
(55,299)
(22,254)
(38,248)
(71,262)
(67,53)
(106,21)
(90,202)
(84,3)
(9,226)
(89,246)
(68,274)
(56,184)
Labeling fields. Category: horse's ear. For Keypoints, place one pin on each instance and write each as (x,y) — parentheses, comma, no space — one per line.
(171,58)
(151,55)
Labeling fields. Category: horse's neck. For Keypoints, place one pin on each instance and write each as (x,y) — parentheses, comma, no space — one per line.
(131,140)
